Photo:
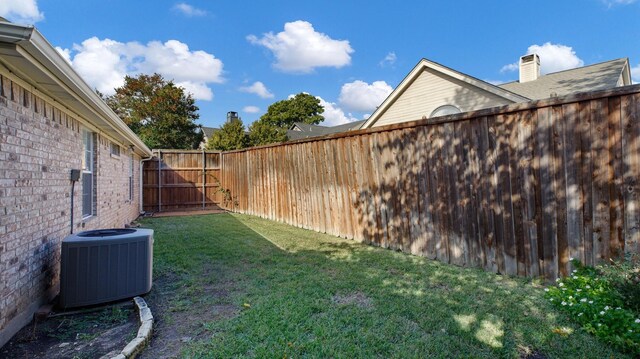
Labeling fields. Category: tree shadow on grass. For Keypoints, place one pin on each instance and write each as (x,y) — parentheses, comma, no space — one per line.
(287,291)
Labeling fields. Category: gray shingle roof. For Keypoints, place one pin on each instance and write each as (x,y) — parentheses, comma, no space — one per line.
(209,131)
(307,130)
(588,78)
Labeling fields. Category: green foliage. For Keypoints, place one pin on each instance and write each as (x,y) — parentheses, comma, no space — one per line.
(158,111)
(624,277)
(230,137)
(272,126)
(594,300)
(115,315)
(300,108)
(263,133)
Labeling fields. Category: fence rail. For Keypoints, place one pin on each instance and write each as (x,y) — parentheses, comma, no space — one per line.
(181,179)
(517,190)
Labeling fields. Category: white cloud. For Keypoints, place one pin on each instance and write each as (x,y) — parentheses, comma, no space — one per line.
(199,90)
(188,10)
(553,58)
(300,48)
(509,67)
(494,82)
(259,89)
(251,109)
(635,74)
(104,64)
(334,115)
(21,11)
(611,3)
(389,60)
(66,53)
(362,97)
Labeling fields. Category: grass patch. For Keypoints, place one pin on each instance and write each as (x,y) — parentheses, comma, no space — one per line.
(296,293)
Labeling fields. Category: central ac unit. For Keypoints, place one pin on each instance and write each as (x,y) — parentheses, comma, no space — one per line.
(105,265)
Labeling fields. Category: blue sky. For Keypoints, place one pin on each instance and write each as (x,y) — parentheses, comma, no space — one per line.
(244,55)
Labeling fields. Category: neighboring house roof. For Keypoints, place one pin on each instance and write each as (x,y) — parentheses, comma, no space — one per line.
(425,64)
(207,134)
(600,76)
(588,78)
(301,130)
(25,52)
(209,131)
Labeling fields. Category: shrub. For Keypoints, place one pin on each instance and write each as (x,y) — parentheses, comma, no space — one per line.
(625,279)
(600,299)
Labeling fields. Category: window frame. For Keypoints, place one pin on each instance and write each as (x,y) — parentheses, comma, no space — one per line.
(88,170)
(131,175)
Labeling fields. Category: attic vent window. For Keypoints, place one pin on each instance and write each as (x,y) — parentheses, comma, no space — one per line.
(115,150)
(445,110)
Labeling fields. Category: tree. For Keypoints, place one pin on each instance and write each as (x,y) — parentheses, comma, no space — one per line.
(272,126)
(158,111)
(230,137)
(263,133)
(300,108)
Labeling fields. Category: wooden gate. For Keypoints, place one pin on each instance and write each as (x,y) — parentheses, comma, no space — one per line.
(181,180)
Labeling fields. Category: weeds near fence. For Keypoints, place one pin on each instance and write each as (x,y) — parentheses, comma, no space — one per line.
(604,300)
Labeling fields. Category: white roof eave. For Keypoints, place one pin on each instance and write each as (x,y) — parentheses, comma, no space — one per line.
(33,47)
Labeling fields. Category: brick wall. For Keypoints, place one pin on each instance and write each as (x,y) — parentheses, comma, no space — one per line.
(39,144)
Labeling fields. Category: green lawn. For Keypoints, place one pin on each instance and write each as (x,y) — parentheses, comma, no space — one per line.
(256,288)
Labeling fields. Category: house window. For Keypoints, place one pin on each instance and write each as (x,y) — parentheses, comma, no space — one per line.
(88,198)
(445,110)
(115,149)
(131,163)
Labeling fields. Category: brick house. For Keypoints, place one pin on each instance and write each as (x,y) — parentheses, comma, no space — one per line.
(51,122)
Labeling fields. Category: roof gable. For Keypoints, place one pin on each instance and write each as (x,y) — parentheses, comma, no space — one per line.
(209,131)
(455,77)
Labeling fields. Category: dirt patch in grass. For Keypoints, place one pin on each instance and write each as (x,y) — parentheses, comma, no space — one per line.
(331,273)
(356,298)
(180,318)
(528,353)
(87,335)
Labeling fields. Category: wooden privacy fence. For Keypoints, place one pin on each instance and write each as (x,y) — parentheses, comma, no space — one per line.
(181,179)
(517,189)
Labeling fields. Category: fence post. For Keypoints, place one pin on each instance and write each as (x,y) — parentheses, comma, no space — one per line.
(204,178)
(159,181)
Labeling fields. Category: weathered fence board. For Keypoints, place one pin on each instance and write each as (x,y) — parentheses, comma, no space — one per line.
(631,159)
(518,190)
(176,180)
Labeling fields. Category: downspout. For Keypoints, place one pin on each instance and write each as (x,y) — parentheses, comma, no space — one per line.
(140,180)
(73,185)
(74,178)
